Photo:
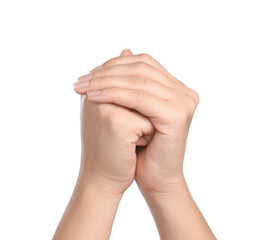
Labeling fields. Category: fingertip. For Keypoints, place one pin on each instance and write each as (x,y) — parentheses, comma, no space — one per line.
(126,52)
(79,91)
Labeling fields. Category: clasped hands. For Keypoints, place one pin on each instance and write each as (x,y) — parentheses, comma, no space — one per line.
(135,118)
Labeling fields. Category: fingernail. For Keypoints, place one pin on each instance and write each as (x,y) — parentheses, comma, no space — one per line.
(81,84)
(96,68)
(84,78)
(94,93)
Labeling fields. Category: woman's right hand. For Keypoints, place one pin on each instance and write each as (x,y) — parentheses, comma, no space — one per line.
(109,136)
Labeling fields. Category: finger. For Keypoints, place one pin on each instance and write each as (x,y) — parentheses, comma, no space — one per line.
(127,82)
(135,68)
(144,129)
(145,103)
(145,140)
(128,58)
(85,77)
(142,142)
(126,52)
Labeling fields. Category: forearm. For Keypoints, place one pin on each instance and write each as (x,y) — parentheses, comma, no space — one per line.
(176,214)
(89,214)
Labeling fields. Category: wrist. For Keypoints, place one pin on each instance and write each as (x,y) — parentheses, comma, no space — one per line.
(176,214)
(89,209)
(166,195)
(161,185)
(85,190)
(103,182)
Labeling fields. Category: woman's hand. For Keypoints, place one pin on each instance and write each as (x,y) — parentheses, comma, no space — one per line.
(110,134)
(109,137)
(140,83)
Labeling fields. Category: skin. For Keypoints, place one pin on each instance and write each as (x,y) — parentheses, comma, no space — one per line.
(108,163)
(154,112)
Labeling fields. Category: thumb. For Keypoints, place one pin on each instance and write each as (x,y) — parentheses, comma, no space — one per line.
(126,52)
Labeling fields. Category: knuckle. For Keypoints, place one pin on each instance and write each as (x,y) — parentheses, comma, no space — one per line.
(191,106)
(139,81)
(100,73)
(194,95)
(145,57)
(108,63)
(139,99)
(140,96)
(141,66)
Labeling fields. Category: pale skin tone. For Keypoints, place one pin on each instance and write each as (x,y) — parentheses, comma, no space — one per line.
(130,102)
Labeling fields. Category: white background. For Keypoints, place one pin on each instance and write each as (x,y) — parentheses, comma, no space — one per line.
(218,48)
